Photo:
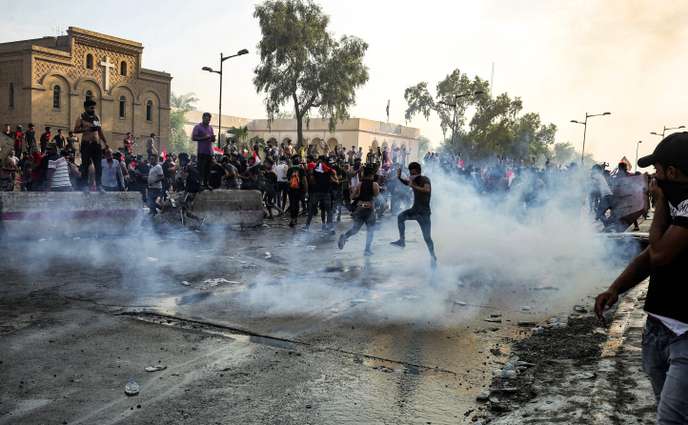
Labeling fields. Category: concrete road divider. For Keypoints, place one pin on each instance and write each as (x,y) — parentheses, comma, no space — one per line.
(229,207)
(36,215)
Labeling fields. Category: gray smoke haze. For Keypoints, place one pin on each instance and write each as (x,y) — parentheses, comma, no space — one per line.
(488,247)
(491,252)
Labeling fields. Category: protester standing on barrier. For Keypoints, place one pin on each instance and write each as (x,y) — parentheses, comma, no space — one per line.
(420,211)
(88,124)
(204,136)
(665,261)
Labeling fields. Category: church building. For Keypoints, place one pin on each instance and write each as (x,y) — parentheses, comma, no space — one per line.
(46,80)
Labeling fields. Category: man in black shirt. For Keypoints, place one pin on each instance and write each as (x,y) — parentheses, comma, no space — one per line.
(665,261)
(420,211)
(320,197)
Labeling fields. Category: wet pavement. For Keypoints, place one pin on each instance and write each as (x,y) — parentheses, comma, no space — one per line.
(265,325)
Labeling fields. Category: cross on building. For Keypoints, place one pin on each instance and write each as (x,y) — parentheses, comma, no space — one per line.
(107,65)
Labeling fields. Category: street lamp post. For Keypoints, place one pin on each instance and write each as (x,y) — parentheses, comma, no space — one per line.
(637,145)
(223,58)
(585,129)
(455,105)
(665,129)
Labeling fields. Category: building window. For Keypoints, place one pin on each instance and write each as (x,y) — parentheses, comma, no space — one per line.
(89,61)
(122,107)
(11,96)
(149,110)
(89,95)
(56,97)
(123,68)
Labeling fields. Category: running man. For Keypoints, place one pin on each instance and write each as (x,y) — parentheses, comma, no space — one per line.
(419,211)
(364,193)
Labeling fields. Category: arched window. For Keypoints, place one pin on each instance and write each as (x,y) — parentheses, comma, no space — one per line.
(89,61)
(89,95)
(149,110)
(11,96)
(123,68)
(122,107)
(56,97)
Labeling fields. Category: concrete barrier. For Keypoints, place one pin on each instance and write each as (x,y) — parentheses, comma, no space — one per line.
(35,215)
(229,207)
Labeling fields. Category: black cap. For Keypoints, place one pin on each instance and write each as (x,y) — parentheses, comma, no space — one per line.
(672,150)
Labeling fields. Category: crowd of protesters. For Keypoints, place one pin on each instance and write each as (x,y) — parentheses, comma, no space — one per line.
(294,180)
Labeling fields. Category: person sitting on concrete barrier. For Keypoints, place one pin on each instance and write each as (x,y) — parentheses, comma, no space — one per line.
(665,261)
(155,178)
(58,170)
(112,178)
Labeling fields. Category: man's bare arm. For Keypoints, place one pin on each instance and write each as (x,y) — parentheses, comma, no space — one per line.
(637,271)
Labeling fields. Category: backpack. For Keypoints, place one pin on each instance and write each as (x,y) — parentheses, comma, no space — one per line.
(295,181)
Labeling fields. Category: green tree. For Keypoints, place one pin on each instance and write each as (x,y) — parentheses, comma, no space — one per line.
(184,102)
(564,153)
(179,140)
(304,65)
(448,92)
(423,146)
(240,134)
(497,125)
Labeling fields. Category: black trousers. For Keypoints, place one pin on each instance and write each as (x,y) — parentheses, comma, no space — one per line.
(423,219)
(204,167)
(91,153)
(295,197)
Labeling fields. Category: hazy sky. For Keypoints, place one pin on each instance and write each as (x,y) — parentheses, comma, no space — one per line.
(562,58)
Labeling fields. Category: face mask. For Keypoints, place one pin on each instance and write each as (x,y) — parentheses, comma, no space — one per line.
(674,192)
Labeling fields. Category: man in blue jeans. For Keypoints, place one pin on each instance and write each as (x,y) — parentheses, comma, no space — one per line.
(665,261)
(419,211)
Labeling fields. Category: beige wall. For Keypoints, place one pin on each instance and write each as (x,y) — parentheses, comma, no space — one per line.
(358,132)
(12,70)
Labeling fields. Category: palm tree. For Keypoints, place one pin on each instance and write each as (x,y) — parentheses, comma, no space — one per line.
(183,102)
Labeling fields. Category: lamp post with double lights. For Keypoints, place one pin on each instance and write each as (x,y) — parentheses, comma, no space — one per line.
(585,129)
(665,129)
(455,105)
(223,58)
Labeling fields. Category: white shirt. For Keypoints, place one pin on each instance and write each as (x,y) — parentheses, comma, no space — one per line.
(677,327)
(155,176)
(61,174)
(281,171)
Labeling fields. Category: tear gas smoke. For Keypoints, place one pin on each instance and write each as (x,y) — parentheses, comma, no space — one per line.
(491,249)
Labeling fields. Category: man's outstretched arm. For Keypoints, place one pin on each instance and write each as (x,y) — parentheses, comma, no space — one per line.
(637,271)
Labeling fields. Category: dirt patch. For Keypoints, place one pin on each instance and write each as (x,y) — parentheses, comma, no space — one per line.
(543,362)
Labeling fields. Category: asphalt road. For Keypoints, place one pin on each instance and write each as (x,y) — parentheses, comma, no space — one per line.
(257,326)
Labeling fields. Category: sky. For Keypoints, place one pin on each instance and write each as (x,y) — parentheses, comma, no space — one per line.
(563,58)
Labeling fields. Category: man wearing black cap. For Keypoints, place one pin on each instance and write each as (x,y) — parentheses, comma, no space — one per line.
(665,261)
(88,124)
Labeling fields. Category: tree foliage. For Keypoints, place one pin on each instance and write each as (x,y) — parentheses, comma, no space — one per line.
(564,153)
(483,126)
(179,140)
(304,65)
